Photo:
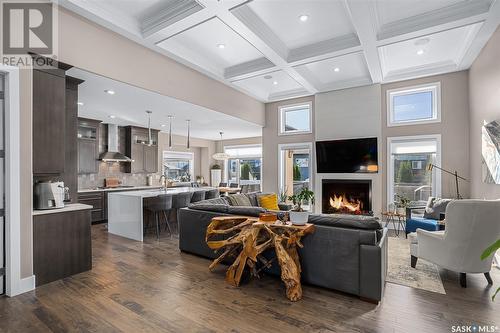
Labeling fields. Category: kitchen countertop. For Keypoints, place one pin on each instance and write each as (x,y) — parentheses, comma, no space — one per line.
(145,187)
(66,208)
(170,190)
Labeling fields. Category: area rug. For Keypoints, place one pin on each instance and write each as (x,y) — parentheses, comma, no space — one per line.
(425,276)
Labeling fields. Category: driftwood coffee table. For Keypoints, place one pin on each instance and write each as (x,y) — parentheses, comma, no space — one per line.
(248,239)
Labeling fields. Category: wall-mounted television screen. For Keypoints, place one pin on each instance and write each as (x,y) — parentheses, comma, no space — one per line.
(347,156)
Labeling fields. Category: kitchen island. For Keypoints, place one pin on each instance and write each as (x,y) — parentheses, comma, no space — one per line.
(125,210)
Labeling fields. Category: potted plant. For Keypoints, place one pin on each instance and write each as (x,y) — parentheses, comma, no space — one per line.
(401,204)
(283,195)
(297,215)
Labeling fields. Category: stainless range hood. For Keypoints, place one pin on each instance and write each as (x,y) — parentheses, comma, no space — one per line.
(112,155)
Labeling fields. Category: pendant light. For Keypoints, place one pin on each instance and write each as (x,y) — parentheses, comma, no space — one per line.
(220,156)
(170,131)
(150,139)
(188,144)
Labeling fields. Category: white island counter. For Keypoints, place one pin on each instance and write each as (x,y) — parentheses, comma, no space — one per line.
(125,217)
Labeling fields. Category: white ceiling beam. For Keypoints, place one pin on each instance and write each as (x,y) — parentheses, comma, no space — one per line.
(362,17)
(469,10)
(489,27)
(175,11)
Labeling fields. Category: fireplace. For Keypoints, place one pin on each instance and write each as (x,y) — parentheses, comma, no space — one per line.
(341,196)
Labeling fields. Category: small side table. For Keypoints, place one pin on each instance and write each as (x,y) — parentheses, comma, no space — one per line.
(398,221)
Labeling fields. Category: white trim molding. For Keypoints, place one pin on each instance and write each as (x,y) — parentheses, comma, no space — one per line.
(15,285)
(434,88)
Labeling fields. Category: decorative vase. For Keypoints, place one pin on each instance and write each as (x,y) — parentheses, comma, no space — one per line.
(299,218)
(401,210)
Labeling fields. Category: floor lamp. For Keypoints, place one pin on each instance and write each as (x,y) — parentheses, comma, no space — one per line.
(455,174)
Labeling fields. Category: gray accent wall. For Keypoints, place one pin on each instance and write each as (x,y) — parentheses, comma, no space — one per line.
(484,94)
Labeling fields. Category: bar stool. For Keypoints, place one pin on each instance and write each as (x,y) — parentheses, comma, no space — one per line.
(158,205)
(198,196)
(212,194)
(234,185)
(180,200)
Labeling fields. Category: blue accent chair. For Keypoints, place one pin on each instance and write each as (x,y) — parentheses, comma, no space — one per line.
(416,222)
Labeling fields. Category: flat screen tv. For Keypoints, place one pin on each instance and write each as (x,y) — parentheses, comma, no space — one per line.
(347,156)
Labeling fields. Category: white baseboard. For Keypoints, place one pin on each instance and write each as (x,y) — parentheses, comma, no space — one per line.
(25,285)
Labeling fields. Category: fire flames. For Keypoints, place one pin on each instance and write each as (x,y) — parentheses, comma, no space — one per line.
(342,203)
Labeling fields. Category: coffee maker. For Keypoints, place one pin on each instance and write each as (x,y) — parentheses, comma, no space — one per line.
(49,195)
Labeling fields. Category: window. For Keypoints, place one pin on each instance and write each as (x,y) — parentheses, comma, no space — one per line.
(295,167)
(414,105)
(244,167)
(408,174)
(295,119)
(178,166)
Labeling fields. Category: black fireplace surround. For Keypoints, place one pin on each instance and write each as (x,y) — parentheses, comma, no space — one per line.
(353,190)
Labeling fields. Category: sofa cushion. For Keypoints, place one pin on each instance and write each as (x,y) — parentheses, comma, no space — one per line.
(346,221)
(435,206)
(209,207)
(245,210)
(239,200)
(252,196)
(214,201)
(268,201)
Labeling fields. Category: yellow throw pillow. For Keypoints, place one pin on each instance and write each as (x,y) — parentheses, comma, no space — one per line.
(269,201)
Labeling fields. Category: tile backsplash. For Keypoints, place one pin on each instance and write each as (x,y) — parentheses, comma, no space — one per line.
(115,169)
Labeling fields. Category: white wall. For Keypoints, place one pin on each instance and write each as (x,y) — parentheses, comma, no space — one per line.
(349,114)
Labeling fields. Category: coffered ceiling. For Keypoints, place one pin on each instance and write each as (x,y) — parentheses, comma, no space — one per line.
(278,49)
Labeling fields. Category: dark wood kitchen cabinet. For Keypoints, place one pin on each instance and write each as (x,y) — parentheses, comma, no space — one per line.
(49,110)
(97,200)
(62,245)
(144,156)
(88,145)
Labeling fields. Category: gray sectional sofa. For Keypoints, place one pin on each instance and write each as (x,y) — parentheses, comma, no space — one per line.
(345,253)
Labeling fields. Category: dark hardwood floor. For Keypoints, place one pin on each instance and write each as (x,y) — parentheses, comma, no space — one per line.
(152,287)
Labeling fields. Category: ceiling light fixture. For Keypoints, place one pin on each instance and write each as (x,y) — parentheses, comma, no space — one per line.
(112,116)
(220,156)
(170,131)
(188,143)
(336,69)
(150,138)
(163,125)
(303,18)
(275,83)
(268,77)
(80,103)
(110,92)
(420,52)
(221,46)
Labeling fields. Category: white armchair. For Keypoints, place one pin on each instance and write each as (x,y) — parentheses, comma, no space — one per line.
(471,226)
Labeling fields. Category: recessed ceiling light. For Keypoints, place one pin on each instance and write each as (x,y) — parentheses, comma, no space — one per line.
(268,77)
(336,69)
(80,103)
(110,92)
(420,52)
(221,46)
(275,83)
(163,125)
(303,18)
(112,117)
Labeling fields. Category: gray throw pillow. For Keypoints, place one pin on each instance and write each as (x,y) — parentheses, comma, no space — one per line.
(252,196)
(435,206)
(239,200)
